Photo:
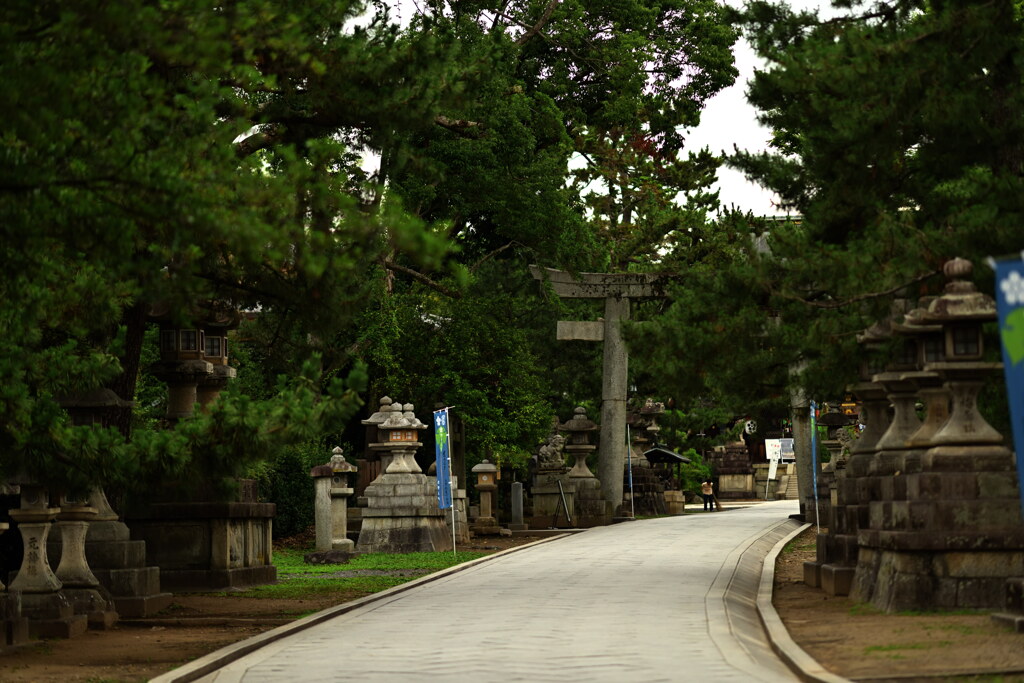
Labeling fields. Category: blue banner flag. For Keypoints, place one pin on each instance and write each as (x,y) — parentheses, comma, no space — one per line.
(444,467)
(1010,304)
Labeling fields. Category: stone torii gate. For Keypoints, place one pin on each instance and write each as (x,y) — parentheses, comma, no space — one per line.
(617,289)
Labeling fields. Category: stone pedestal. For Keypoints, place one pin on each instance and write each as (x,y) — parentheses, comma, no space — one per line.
(80,585)
(401,516)
(207,546)
(49,613)
(735,472)
(13,626)
(119,563)
(675,503)
(553,492)
(1012,614)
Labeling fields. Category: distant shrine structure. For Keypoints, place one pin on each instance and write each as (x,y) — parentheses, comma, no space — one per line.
(617,289)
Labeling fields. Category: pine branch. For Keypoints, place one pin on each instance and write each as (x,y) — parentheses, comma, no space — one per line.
(486,258)
(535,29)
(421,278)
(460,126)
(831,305)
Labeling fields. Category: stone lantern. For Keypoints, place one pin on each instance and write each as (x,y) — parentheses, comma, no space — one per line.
(215,330)
(579,431)
(590,507)
(182,364)
(956,539)
(486,483)
(838,549)
(401,513)
(372,424)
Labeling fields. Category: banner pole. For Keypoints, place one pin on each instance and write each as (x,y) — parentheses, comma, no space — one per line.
(629,466)
(451,490)
(814,462)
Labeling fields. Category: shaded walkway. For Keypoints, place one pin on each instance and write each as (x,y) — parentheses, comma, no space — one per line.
(656,600)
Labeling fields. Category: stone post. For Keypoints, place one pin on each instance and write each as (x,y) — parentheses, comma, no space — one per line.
(517,508)
(322,476)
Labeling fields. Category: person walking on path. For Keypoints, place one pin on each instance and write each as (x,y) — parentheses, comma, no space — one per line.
(707,491)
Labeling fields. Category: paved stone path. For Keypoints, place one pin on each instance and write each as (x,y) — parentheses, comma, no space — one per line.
(665,599)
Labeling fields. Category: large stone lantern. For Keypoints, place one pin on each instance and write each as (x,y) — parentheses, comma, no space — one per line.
(590,507)
(401,513)
(958,537)
(838,549)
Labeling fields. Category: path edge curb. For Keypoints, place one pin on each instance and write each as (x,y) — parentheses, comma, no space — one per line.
(207,664)
(795,657)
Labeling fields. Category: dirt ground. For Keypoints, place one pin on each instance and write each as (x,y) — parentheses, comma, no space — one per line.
(847,639)
(863,644)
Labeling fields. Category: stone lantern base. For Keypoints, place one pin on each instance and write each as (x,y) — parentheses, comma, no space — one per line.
(548,505)
(590,507)
(51,615)
(401,516)
(953,542)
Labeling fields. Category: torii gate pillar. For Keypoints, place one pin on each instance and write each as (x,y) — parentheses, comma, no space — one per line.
(617,289)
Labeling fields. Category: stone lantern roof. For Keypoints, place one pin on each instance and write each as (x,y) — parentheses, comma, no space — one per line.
(579,423)
(961,300)
(382,413)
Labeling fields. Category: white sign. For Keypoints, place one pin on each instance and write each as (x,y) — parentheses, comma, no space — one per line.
(788,454)
(773,449)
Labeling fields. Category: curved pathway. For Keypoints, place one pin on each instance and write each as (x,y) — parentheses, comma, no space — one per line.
(665,599)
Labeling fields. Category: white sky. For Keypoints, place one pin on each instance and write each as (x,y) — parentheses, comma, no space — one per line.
(729,120)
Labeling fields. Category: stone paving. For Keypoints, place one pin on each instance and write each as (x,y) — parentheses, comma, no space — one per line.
(664,599)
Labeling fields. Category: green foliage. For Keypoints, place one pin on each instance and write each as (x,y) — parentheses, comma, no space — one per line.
(695,472)
(898,140)
(285,481)
(193,154)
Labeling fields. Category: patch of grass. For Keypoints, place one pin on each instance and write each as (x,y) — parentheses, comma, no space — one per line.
(297,580)
(863,608)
